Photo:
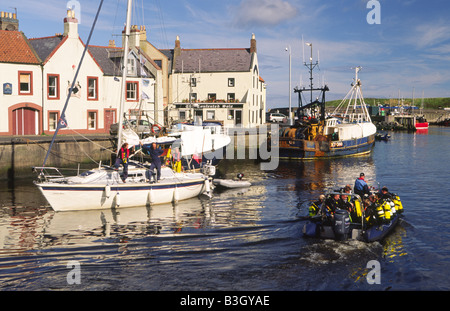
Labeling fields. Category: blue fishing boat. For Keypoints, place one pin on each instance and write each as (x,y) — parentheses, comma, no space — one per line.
(347,131)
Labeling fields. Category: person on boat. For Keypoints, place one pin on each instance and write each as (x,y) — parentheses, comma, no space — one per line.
(344,203)
(330,206)
(176,157)
(122,158)
(155,152)
(361,188)
(315,206)
(370,212)
(384,192)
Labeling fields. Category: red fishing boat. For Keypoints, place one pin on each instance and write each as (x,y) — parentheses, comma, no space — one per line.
(421,123)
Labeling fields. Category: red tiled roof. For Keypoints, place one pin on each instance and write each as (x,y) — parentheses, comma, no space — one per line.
(14,48)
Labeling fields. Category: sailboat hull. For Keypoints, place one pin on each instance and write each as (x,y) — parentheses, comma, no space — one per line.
(63,197)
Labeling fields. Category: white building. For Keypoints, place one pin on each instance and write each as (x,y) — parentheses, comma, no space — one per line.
(36,76)
(217,84)
(60,55)
(162,85)
(20,81)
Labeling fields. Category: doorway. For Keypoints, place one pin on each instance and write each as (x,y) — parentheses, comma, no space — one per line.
(25,121)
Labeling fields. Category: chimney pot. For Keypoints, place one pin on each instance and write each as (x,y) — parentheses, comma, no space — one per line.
(253,44)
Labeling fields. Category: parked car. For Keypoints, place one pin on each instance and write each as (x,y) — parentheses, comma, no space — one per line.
(144,127)
(276,117)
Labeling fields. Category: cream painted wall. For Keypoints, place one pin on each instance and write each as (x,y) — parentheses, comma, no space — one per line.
(9,73)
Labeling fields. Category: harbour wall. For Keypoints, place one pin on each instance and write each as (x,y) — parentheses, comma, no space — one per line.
(19,154)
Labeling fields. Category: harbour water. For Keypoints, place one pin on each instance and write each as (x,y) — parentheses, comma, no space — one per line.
(248,239)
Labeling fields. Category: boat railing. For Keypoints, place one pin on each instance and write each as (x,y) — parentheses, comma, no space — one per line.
(47,173)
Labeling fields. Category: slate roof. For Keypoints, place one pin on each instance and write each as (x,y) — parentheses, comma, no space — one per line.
(213,60)
(15,48)
(108,58)
(44,47)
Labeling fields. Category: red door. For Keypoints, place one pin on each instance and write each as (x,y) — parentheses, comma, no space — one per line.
(110,118)
(24,121)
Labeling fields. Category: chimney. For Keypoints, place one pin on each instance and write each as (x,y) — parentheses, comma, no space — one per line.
(143,33)
(112,44)
(253,44)
(177,50)
(9,21)
(135,36)
(70,25)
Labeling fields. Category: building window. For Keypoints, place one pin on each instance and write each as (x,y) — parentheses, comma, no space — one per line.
(132,91)
(230,114)
(92,120)
(210,115)
(193,82)
(131,68)
(53,117)
(25,83)
(231,82)
(92,88)
(158,62)
(193,97)
(231,97)
(212,97)
(53,86)
(182,115)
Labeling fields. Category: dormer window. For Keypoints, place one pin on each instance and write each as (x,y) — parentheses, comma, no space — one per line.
(131,68)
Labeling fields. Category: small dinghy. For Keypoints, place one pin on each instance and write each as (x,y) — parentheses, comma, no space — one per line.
(384,137)
(232,183)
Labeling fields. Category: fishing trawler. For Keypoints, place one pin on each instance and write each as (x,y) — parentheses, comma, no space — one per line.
(348,131)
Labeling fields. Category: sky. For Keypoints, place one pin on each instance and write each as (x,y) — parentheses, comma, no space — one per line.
(407,53)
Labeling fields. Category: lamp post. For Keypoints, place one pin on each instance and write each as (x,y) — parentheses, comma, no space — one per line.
(288,49)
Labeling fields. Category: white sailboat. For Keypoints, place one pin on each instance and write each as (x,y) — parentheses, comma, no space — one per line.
(103,188)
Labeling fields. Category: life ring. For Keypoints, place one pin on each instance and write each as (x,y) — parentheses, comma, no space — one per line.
(157,126)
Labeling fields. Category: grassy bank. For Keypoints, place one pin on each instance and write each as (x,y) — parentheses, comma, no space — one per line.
(428,103)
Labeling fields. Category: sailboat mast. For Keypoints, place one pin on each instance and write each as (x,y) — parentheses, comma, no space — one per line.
(124,75)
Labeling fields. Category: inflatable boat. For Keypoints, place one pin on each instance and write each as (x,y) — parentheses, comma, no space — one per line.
(369,224)
(232,183)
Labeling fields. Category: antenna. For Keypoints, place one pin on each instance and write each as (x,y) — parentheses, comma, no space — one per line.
(303,47)
(311,67)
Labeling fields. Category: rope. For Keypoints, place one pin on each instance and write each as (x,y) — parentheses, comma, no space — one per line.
(91,141)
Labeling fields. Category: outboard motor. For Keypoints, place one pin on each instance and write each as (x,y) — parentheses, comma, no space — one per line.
(341,225)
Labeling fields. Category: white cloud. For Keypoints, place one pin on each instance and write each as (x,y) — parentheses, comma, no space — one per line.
(431,34)
(263,12)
